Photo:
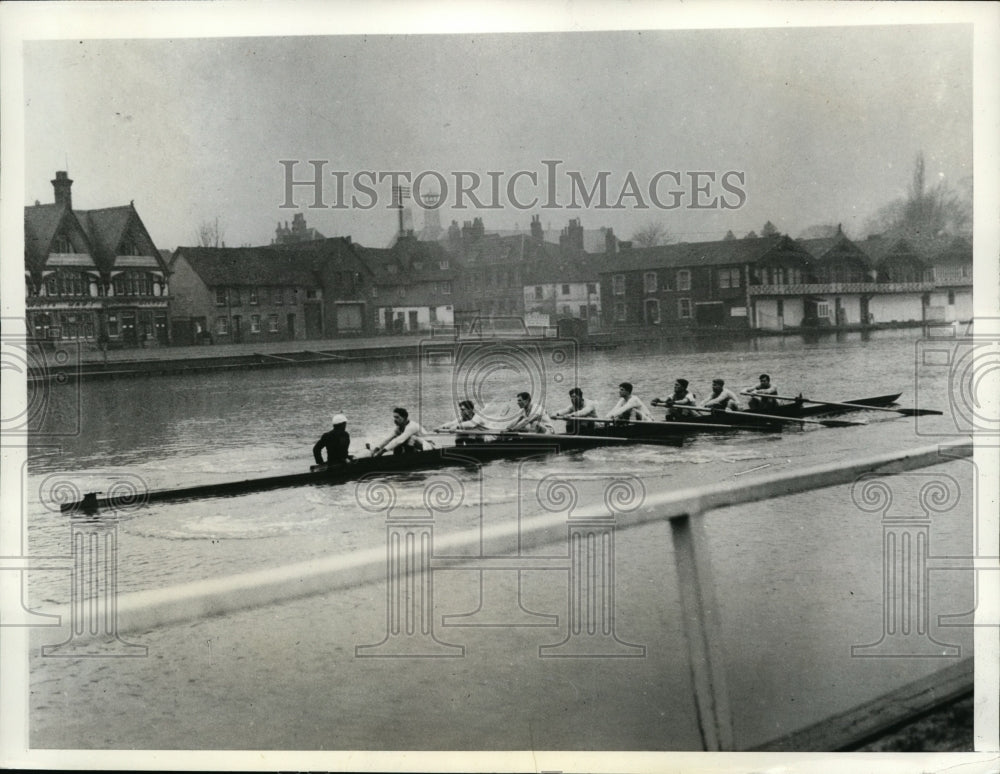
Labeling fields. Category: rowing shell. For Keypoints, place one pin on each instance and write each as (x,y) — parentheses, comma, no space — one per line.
(470,455)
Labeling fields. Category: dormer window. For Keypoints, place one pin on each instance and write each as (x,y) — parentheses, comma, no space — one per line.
(62,245)
(129,247)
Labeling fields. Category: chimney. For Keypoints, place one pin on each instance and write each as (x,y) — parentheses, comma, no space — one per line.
(62,185)
(536,227)
(610,243)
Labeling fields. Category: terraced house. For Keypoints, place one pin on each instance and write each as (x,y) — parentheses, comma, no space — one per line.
(93,275)
(316,289)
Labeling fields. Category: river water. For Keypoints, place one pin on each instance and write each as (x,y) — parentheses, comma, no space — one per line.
(799,578)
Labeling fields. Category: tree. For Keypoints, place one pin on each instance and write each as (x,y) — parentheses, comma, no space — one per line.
(934,210)
(210,234)
(769,230)
(751,235)
(651,235)
(729,235)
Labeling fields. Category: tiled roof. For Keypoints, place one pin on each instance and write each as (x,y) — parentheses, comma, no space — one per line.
(720,253)
(105,228)
(40,225)
(249,266)
(562,268)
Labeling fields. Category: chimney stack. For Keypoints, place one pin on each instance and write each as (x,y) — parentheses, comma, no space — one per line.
(62,185)
(536,227)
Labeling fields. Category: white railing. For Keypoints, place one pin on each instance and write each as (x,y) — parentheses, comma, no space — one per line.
(827,288)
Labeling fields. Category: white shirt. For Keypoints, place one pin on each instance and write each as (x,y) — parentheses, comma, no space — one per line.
(631,405)
(587,410)
(409,432)
(533,419)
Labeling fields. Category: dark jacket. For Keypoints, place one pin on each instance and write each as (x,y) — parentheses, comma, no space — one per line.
(337,443)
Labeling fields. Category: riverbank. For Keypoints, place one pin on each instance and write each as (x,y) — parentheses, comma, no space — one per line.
(71,361)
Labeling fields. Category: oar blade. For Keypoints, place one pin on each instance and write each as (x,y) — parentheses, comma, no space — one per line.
(839,423)
(917,412)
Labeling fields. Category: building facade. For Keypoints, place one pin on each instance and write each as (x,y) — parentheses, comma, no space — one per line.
(93,275)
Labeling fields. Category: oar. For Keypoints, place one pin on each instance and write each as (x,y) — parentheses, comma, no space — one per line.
(908,412)
(773,418)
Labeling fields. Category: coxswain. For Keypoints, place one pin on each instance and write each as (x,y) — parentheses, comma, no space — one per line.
(531,418)
(721,399)
(337,443)
(760,399)
(469,419)
(578,408)
(407,437)
(629,407)
(676,403)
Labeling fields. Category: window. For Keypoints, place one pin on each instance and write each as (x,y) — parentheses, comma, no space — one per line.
(401,291)
(374,291)
(583,311)
(133,283)
(253,296)
(276,296)
(255,323)
(539,293)
(390,268)
(112,323)
(443,265)
(684,308)
(220,296)
(129,247)
(445,287)
(729,278)
(434,314)
(951,297)
(312,294)
(222,326)
(272,323)
(67,283)
(62,245)
(565,290)
(794,276)
(591,289)
(684,280)
(566,312)
(620,311)
(649,281)
(822,309)
(618,284)
(652,311)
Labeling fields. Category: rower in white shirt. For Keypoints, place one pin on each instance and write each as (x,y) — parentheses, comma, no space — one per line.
(578,408)
(677,402)
(760,393)
(407,437)
(469,419)
(629,407)
(721,399)
(531,418)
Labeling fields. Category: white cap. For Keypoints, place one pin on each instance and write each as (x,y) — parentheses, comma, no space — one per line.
(339,419)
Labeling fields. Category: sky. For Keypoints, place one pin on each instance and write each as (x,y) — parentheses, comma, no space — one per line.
(808,125)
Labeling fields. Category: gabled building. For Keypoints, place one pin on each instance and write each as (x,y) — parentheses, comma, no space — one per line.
(413,285)
(93,275)
(703,283)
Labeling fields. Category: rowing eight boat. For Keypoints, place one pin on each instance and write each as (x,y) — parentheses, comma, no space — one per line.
(511,446)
